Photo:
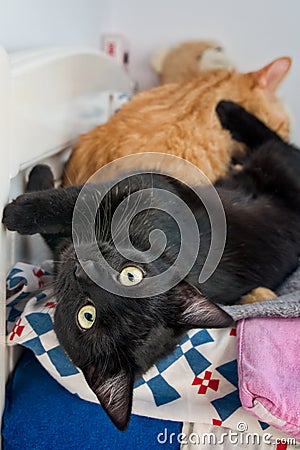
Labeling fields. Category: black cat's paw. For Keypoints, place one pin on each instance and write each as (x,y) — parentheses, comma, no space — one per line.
(229,114)
(20,215)
(244,126)
(40,178)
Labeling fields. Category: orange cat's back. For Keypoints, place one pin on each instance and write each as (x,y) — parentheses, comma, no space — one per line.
(180,119)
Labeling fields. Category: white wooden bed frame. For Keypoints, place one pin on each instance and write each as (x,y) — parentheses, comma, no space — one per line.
(41,97)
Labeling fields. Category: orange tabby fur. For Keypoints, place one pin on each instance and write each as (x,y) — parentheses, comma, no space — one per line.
(179,119)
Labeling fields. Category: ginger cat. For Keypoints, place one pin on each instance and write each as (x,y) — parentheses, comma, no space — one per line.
(180,119)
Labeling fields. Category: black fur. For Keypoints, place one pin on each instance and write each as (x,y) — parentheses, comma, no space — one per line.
(261,203)
(40,179)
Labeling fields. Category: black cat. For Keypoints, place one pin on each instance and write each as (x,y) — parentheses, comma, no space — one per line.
(115,339)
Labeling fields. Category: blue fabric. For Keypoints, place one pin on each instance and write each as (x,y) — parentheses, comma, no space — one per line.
(41,415)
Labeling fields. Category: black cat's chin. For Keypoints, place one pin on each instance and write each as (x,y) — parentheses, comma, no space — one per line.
(129,336)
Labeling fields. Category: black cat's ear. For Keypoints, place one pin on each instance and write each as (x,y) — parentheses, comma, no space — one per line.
(113,392)
(199,312)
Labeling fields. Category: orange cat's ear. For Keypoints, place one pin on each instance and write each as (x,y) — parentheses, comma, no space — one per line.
(270,76)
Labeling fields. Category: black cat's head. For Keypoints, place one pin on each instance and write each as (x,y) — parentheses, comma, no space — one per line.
(113,338)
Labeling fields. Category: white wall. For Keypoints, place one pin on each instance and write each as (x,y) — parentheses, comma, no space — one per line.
(36,23)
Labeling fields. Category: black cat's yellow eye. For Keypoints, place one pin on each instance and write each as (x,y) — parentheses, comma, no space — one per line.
(86,317)
(130,276)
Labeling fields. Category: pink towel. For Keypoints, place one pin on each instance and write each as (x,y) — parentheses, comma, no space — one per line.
(269,371)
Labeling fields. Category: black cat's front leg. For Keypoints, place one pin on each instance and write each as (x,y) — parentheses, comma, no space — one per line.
(244,126)
(48,212)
